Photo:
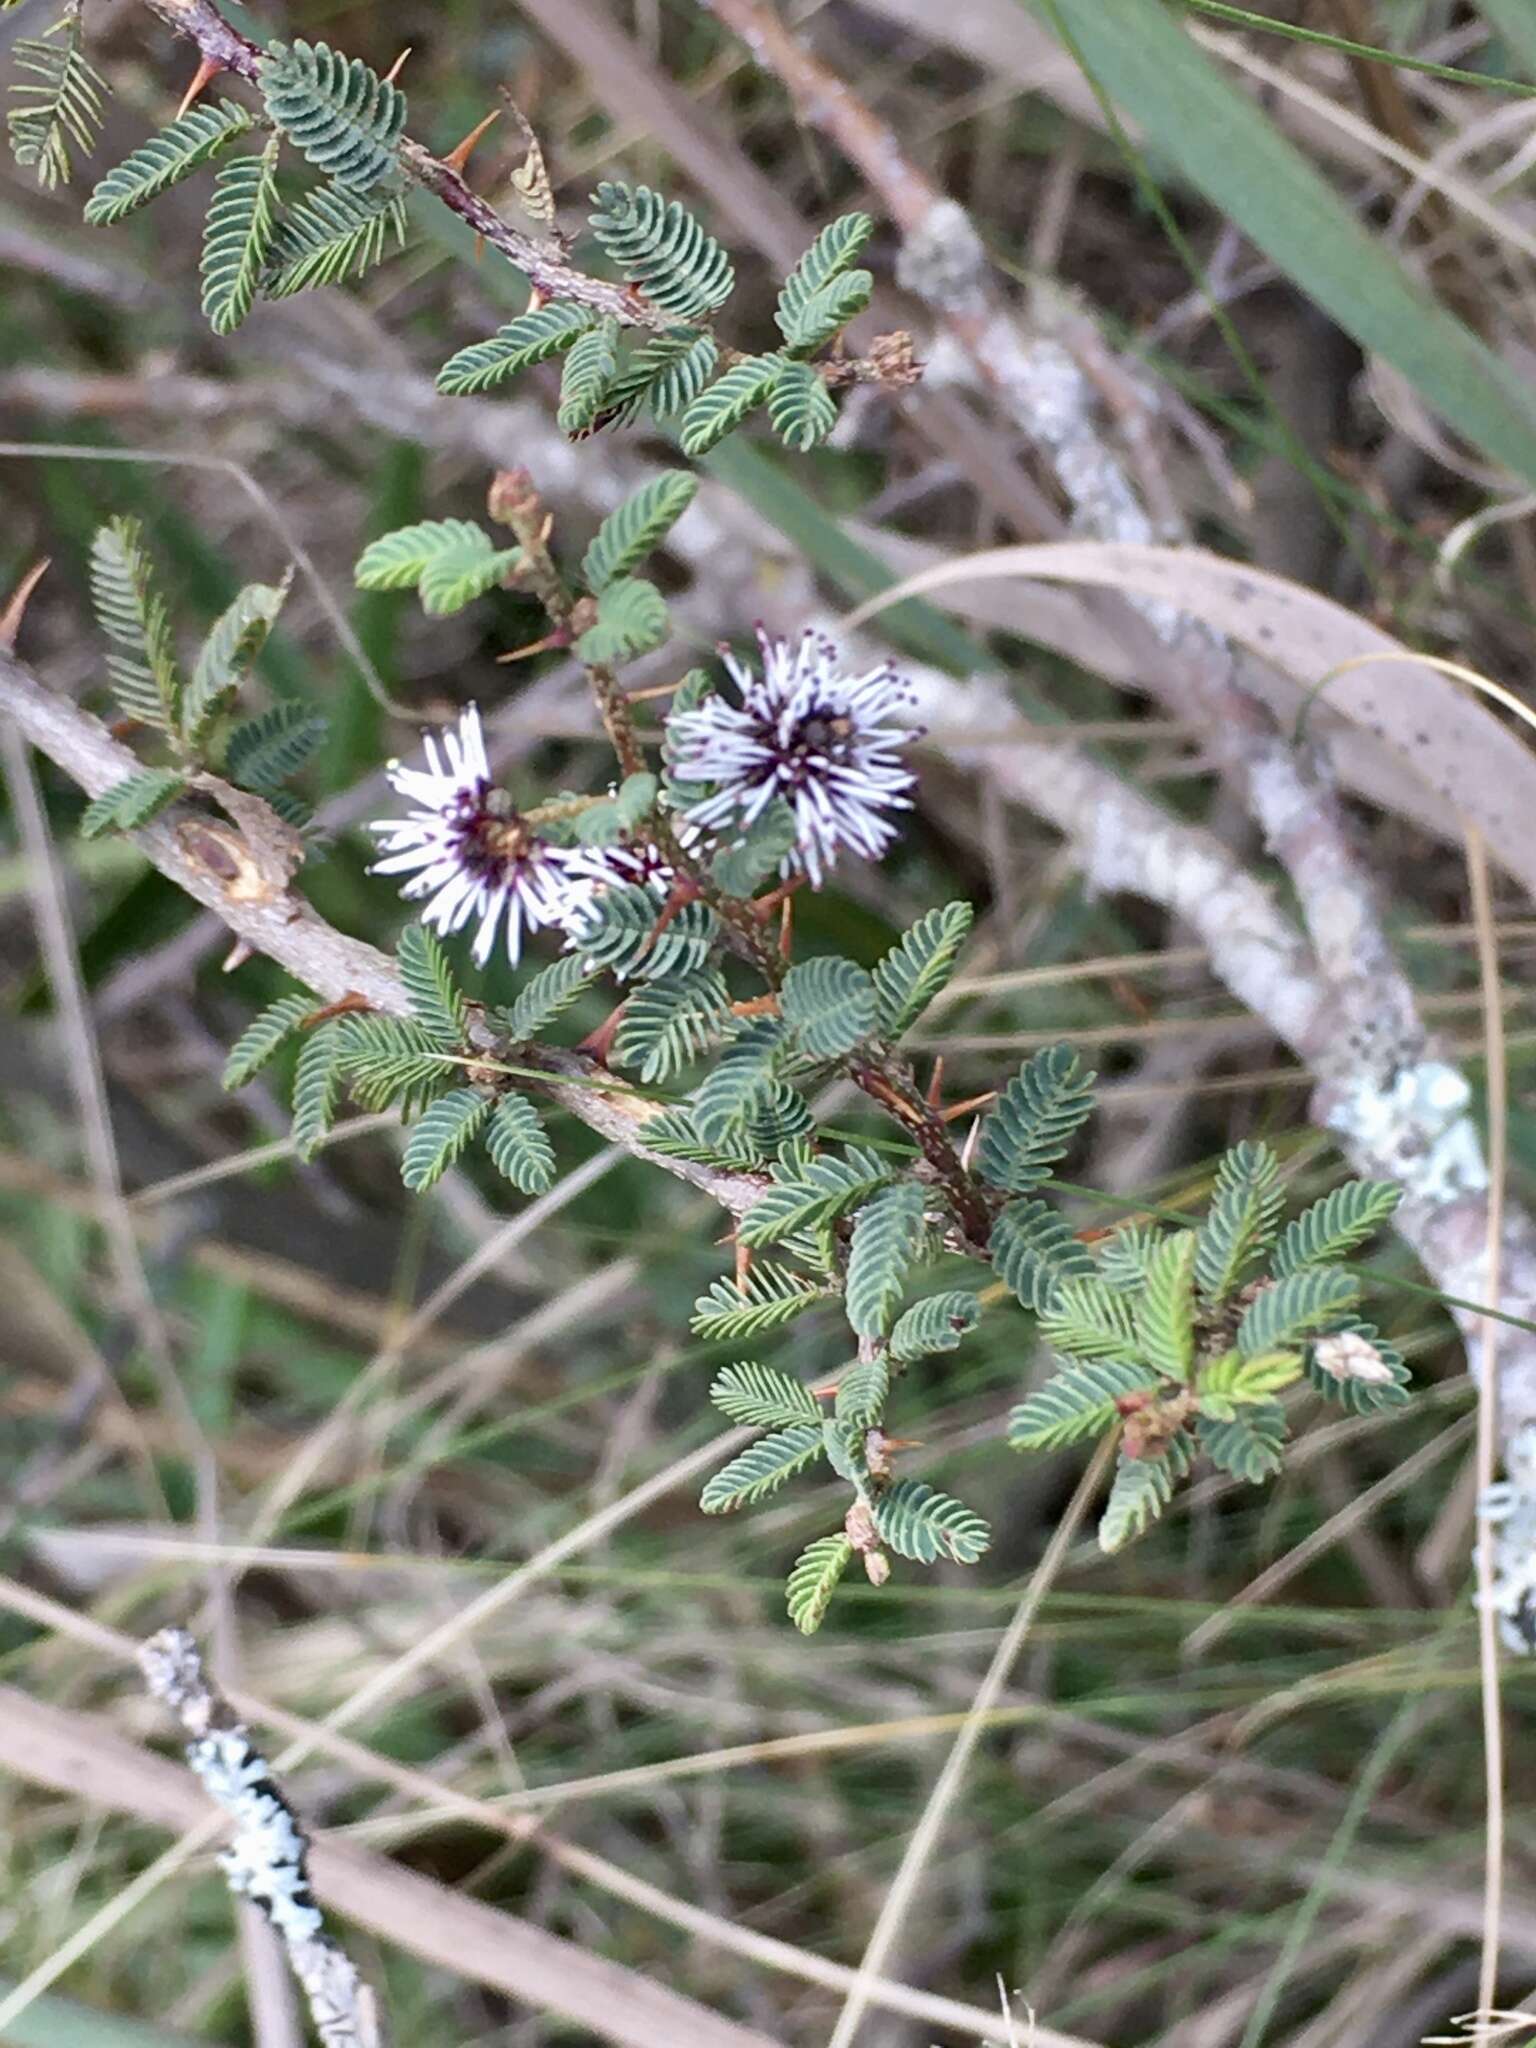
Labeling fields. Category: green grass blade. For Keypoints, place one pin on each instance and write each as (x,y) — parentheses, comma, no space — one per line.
(1222,143)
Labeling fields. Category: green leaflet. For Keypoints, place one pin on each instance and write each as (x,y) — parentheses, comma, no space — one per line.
(1034,1250)
(723,405)
(1142,1488)
(1079,1401)
(1343,1220)
(435,998)
(227,654)
(762,1468)
(132,802)
(660,247)
(828,1005)
(814,1580)
(333,234)
(440,1136)
(631,620)
(633,529)
(762,1397)
(237,237)
(1036,1118)
(887,1238)
(267,1031)
(918,1522)
(273,745)
(530,338)
(519,1146)
(146,679)
(801,409)
(768,1296)
(345,118)
(56,101)
(937,1324)
(828,258)
(180,148)
(919,965)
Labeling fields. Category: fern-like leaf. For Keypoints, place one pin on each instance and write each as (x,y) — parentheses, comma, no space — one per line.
(741,1078)
(761,1468)
(811,1193)
(184,146)
(1034,1250)
(56,101)
(1245,1210)
(1086,1319)
(144,674)
(1142,1488)
(268,1031)
(1232,1381)
(801,409)
(591,364)
(392,1060)
(814,1579)
(1079,1401)
(316,1085)
(531,338)
(1250,1444)
(823,313)
(273,745)
(828,1005)
(829,257)
(1339,1223)
(669,372)
(722,406)
(1294,1307)
(887,1237)
(1035,1120)
(345,118)
(226,656)
(544,997)
(938,1324)
(660,247)
(435,998)
(237,237)
(916,1521)
(440,1136)
(334,233)
(632,620)
(763,1397)
(1165,1314)
(863,1392)
(919,965)
(668,1023)
(132,802)
(768,1296)
(633,529)
(519,1145)
(620,933)
(1125,1256)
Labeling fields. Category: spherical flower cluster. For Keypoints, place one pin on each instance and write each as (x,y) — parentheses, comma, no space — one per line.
(826,742)
(469,852)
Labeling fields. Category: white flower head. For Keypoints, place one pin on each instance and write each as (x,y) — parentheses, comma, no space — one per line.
(827,742)
(468,851)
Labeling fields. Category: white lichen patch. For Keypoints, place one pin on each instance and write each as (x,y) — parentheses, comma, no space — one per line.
(1416,1129)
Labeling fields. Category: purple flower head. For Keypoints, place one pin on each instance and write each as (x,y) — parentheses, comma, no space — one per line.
(469,852)
(828,743)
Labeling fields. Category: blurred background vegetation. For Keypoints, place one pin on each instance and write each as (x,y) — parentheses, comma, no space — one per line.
(1233,1794)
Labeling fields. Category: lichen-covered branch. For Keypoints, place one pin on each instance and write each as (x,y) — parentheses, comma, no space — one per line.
(267,1859)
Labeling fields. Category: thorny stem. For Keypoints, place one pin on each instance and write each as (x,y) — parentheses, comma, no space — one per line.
(885,1079)
(544,261)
